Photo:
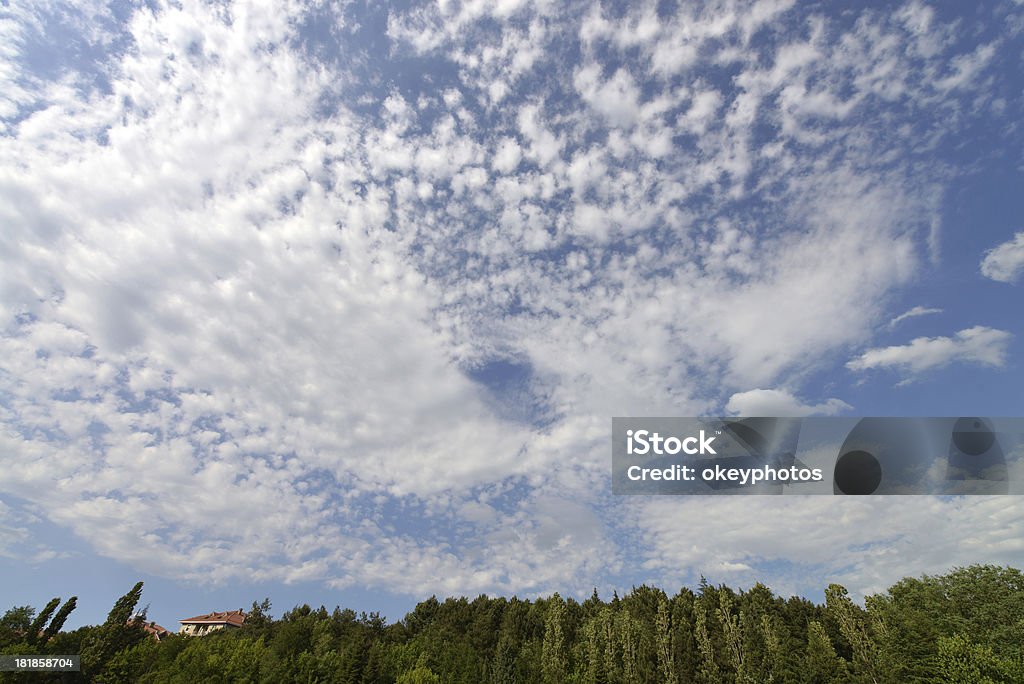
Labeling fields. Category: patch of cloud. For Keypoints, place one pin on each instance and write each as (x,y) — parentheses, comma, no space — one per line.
(977,345)
(775,402)
(507,156)
(913,313)
(616,99)
(799,542)
(1005,262)
(247,284)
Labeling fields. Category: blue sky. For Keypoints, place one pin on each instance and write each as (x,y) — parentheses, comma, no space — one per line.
(334,303)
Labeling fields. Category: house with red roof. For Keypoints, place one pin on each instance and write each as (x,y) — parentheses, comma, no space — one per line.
(154,630)
(211,622)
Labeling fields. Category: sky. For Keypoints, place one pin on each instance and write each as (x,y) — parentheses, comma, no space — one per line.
(335,302)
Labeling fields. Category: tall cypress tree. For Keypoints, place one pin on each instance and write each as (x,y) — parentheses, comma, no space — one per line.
(59,619)
(120,630)
(36,628)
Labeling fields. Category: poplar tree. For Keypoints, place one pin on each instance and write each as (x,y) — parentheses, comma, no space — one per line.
(628,634)
(666,642)
(611,660)
(854,629)
(708,673)
(593,670)
(733,636)
(775,666)
(820,662)
(553,649)
(503,668)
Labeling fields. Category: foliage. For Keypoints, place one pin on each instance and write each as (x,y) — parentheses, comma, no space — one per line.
(965,626)
(120,631)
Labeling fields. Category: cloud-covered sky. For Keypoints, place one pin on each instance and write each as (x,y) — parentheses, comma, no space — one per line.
(344,296)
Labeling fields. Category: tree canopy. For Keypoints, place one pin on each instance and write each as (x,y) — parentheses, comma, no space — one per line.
(964,626)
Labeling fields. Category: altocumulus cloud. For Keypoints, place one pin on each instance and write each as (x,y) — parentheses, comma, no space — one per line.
(977,345)
(1005,262)
(351,293)
(774,402)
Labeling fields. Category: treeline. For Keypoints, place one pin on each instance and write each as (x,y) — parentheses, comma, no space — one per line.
(964,627)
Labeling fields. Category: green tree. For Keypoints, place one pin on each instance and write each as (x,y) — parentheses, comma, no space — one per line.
(708,672)
(666,642)
(503,667)
(630,637)
(963,662)
(15,623)
(129,664)
(774,666)
(553,659)
(421,674)
(983,601)
(258,619)
(687,655)
(57,623)
(820,662)
(731,628)
(612,668)
(35,630)
(120,630)
(853,625)
(956,628)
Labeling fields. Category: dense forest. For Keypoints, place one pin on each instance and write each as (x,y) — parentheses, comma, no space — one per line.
(964,627)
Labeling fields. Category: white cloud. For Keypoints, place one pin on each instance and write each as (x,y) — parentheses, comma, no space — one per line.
(824,539)
(967,68)
(701,112)
(1005,263)
(545,146)
(978,345)
(773,402)
(617,99)
(913,313)
(197,257)
(236,315)
(506,157)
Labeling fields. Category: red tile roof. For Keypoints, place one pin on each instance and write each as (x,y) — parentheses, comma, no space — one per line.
(235,618)
(155,630)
